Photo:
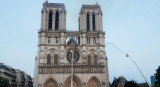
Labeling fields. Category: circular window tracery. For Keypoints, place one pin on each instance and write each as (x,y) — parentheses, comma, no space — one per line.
(75,55)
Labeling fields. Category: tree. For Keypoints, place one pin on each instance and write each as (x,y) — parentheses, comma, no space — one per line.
(143,85)
(4,82)
(131,84)
(157,74)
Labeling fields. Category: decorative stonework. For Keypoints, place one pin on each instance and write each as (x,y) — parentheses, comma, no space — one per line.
(55,45)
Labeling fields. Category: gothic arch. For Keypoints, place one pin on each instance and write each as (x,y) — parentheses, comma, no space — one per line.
(56,59)
(50,20)
(93,82)
(95,59)
(76,81)
(88,22)
(57,20)
(92,52)
(50,83)
(49,59)
(89,60)
(52,51)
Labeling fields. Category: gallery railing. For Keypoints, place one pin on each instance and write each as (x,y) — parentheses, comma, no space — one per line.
(49,69)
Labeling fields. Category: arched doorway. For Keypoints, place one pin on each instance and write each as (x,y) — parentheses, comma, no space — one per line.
(76,82)
(50,83)
(93,82)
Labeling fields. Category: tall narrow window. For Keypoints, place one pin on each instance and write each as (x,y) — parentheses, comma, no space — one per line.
(94,40)
(87,22)
(89,60)
(88,40)
(50,21)
(95,59)
(55,59)
(56,39)
(49,39)
(57,21)
(93,22)
(48,59)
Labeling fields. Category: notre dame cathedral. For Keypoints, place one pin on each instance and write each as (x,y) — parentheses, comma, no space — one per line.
(57,48)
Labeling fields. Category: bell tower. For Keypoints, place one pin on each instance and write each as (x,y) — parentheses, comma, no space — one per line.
(53,17)
(66,58)
(91,18)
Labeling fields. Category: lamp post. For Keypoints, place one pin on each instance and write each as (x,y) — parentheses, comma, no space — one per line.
(127,55)
(73,43)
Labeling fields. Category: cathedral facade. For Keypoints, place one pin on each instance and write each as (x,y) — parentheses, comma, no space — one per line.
(58,49)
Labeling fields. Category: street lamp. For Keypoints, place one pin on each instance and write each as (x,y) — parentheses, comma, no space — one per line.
(127,55)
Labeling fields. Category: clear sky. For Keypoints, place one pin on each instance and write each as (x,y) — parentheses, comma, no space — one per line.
(131,25)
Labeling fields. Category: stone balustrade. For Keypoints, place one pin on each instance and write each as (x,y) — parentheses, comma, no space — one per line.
(54,69)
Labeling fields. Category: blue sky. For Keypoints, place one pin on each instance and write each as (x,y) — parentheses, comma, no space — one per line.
(131,25)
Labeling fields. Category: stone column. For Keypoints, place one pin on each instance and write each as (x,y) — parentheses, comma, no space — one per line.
(64,20)
(81,23)
(81,39)
(53,21)
(96,19)
(42,18)
(84,22)
(90,21)
(62,47)
(46,20)
(101,23)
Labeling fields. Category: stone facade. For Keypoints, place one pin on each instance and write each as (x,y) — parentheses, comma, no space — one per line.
(57,47)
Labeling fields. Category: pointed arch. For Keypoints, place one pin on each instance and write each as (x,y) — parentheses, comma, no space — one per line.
(93,22)
(76,81)
(56,21)
(93,82)
(94,40)
(89,60)
(50,83)
(49,59)
(88,25)
(50,21)
(56,59)
(95,59)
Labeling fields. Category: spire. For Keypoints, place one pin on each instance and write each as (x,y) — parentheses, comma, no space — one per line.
(96,2)
(46,2)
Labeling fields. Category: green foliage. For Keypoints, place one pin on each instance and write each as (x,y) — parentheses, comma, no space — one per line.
(4,82)
(157,74)
(143,85)
(131,84)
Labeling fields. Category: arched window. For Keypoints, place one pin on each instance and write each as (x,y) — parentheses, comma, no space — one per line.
(94,40)
(56,39)
(48,59)
(95,59)
(88,40)
(49,39)
(89,60)
(56,21)
(88,22)
(50,21)
(55,59)
(93,22)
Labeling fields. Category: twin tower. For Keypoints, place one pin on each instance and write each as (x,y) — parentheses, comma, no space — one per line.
(54,17)
(57,47)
